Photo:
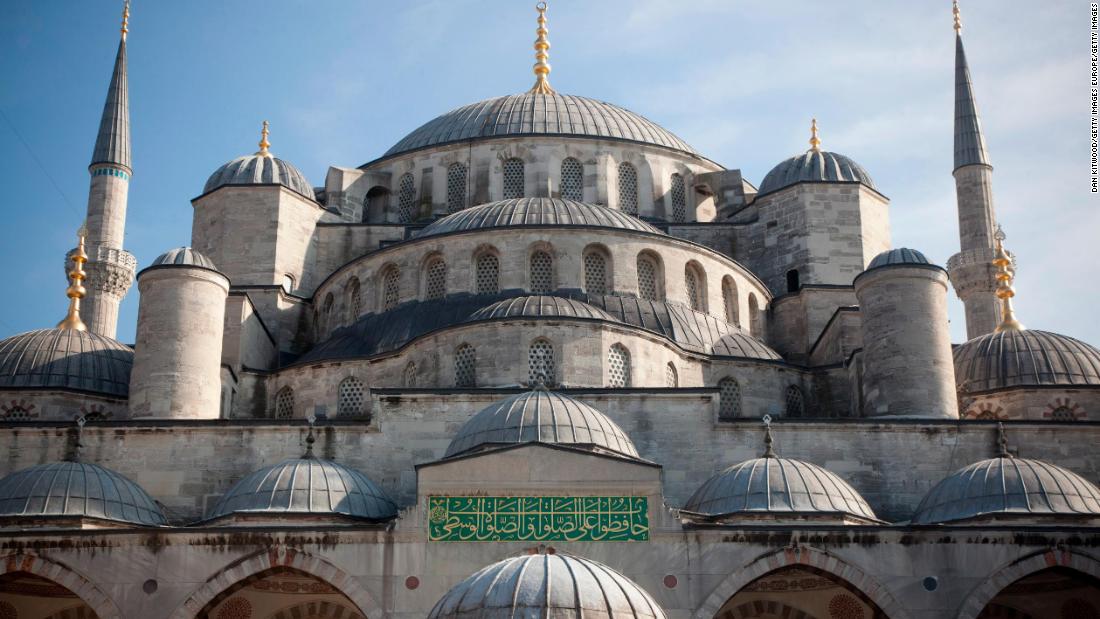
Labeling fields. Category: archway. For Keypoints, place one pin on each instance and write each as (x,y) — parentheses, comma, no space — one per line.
(23,594)
(281,593)
(1077,574)
(799,592)
(375,204)
(1058,591)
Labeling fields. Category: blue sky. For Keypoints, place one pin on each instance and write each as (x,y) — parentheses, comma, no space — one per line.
(342,81)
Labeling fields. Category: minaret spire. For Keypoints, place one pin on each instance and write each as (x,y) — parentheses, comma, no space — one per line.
(969,139)
(112,144)
(542,55)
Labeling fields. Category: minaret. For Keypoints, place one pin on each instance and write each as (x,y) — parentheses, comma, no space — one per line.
(971,270)
(110,268)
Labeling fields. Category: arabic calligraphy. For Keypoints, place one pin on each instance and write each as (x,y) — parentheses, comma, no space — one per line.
(538,519)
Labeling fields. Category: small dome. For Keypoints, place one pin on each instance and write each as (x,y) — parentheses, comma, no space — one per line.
(66,359)
(539,307)
(541,417)
(184,256)
(1006,486)
(547,585)
(741,344)
(900,255)
(76,490)
(1024,358)
(533,114)
(778,486)
(260,170)
(306,486)
(536,212)
(815,166)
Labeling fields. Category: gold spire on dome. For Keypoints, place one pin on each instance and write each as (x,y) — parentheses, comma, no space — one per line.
(542,54)
(264,144)
(125,19)
(815,142)
(1004,275)
(958,16)
(76,290)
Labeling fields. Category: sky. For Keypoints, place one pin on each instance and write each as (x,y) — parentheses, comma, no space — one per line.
(341,81)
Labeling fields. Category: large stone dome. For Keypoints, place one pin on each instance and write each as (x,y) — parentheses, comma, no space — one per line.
(76,490)
(547,585)
(260,169)
(1012,487)
(66,359)
(541,417)
(306,486)
(537,114)
(1025,358)
(536,212)
(815,166)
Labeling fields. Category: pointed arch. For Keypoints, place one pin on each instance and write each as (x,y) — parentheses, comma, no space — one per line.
(980,596)
(64,576)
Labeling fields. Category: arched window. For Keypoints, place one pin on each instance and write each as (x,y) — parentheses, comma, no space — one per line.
(542,272)
(729,299)
(649,278)
(1062,413)
(456,187)
(406,198)
(679,199)
(540,363)
(729,398)
(435,279)
(513,178)
(795,403)
(410,374)
(284,403)
(672,378)
(488,274)
(628,188)
(375,204)
(695,287)
(351,397)
(354,304)
(792,280)
(465,366)
(572,179)
(756,325)
(391,288)
(618,366)
(595,273)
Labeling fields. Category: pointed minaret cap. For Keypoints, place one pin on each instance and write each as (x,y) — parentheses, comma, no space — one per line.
(1005,276)
(112,143)
(76,290)
(969,138)
(542,55)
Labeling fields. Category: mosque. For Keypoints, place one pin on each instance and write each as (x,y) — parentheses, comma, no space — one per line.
(542,358)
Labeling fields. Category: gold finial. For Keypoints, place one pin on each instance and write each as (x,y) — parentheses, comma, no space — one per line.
(1005,291)
(264,144)
(815,143)
(125,19)
(542,54)
(76,290)
(958,16)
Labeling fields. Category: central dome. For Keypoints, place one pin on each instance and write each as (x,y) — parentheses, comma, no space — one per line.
(536,212)
(541,115)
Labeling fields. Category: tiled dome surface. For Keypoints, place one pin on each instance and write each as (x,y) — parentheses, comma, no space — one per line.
(260,170)
(536,212)
(1025,358)
(66,359)
(76,489)
(815,166)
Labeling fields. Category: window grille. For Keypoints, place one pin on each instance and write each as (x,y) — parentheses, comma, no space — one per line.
(391,291)
(18,413)
(542,273)
(352,398)
(628,188)
(406,198)
(572,179)
(465,366)
(691,283)
(354,300)
(729,398)
(410,374)
(679,199)
(618,366)
(488,274)
(513,178)
(284,403)
(672,379)
(1062,413)
(795,404)
(540,363)
(456,187)
(647,278)
(595,273)
(436,286)
(729,298)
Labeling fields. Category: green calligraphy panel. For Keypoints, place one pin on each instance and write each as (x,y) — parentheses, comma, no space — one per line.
(538,519)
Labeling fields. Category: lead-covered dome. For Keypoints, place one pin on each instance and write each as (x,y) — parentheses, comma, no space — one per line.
(536,212)
(66,359)
(815,166)
(547,585)
(183,256)
(538,114)
(76,490)
(1025,358)
(260,169)
(306,486)
(541,417)
(1009,487)
(897,257)
(540,306)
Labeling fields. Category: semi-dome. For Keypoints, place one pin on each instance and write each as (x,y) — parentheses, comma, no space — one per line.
(547,585)
(815,166)
(76,490)
(306,486)
(184,256)
(1025,358)
(540,306)
(741,344)
(541,417)
(1009,487)
(537,114)
(536,212)
(898,256)
(260,169)
(66,359)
